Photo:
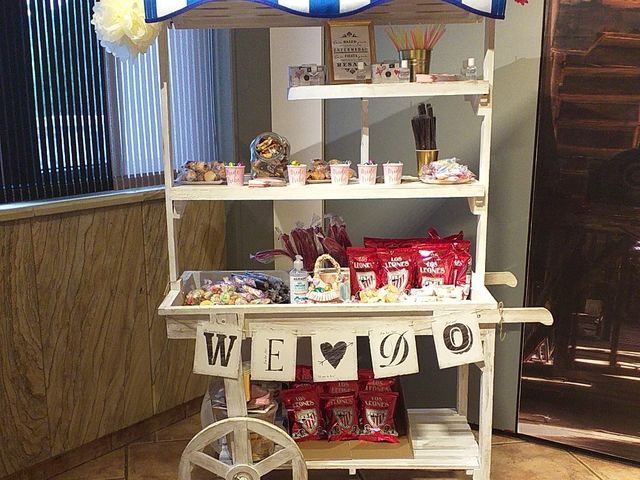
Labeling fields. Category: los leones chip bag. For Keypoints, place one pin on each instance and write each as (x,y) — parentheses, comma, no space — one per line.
(398,267)
(305,415)
(339,388)
(435,264)
(377,410)
(342,417)
(364,269)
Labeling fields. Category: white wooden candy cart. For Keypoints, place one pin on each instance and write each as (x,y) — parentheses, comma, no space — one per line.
(437,439)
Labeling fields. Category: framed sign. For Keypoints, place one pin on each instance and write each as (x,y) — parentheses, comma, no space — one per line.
(348,43)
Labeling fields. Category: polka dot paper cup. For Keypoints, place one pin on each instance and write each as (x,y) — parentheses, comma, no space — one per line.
(367,174)
(340,174)
(392,173)
(235,175)
(297,175)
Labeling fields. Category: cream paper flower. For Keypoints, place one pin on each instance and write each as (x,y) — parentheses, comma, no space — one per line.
(121,28)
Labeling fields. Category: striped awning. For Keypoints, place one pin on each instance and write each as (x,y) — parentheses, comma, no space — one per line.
(160,10)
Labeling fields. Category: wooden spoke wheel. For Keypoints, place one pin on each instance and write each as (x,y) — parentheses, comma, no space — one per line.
(243,467)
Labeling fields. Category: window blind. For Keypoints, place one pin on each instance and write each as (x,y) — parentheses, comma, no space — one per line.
(136,114)
(54,126)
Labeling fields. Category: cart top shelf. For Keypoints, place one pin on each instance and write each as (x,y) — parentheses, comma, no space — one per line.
(388,90)
(300,13)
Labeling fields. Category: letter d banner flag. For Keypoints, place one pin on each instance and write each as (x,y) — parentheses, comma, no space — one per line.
(218,349)
(393,350)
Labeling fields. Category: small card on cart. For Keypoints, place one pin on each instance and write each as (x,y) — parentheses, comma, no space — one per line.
(273,355)
(218,349)
(457,342)
(393,350)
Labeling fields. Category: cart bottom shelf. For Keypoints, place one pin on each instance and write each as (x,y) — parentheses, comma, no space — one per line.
(438,439)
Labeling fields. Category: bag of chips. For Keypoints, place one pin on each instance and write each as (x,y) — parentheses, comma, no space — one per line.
(364,269)
(461,262)
(305,415)
(339,388)
(377,411)
(342,417)
(435,264)
(398,267)
(378,385)
(371,242)
(304,374)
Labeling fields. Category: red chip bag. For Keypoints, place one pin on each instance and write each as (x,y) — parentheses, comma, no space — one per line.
(339,388)
(377,410)
(456,237)
(378,385)
(435,264)
(364,269)
(370,242)
(461,262)
(398,267)
(305,415)
(365,373)
(304,374)
(342,417)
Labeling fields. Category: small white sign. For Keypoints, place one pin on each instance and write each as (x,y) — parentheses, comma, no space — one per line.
(218,350)
(393,350)
(273,355)
(334,356)
(457,342)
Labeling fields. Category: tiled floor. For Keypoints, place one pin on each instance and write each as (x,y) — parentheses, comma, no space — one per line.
(157,457)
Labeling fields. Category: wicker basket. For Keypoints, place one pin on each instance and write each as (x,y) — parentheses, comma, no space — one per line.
(332,277)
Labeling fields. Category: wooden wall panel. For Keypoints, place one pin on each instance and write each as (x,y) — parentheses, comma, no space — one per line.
(93,316)
(201,236)
(24,432)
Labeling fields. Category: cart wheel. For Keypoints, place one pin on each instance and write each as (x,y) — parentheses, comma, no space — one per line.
(243,467)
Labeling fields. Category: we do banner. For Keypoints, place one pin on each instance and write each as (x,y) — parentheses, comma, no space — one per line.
(273,355)
(457,342)
(218,348)
(393,350)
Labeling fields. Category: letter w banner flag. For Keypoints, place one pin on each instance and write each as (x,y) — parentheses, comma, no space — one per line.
(218,349)
(161,10)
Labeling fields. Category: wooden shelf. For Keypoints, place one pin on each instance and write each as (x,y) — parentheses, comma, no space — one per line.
(389,90)
(306,319)
(438,439)
(327,191)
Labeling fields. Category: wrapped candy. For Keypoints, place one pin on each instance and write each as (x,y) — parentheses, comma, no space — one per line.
(447,170)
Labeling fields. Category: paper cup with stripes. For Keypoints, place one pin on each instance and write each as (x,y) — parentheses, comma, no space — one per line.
(235,175)
(367,174)
(392,173)
(297,174)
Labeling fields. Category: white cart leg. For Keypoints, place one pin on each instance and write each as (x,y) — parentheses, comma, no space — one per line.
(486,407)
(463,390)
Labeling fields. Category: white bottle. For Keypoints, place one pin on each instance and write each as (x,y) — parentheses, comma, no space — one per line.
(361,73)
(470,71)
(298,282)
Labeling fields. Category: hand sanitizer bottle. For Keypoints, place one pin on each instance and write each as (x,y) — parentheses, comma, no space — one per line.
(298,282)
(470,71)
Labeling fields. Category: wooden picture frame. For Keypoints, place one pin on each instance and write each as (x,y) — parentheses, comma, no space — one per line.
(347,43)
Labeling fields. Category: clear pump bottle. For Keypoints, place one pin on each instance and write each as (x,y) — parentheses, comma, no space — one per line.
(298,282)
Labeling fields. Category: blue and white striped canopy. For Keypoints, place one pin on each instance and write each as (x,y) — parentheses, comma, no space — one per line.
(160,10)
